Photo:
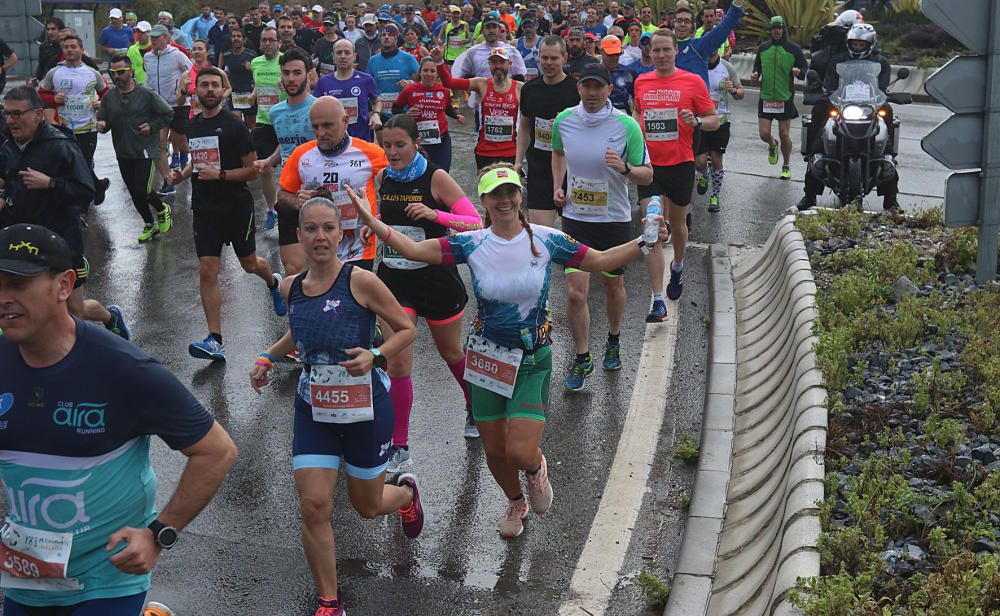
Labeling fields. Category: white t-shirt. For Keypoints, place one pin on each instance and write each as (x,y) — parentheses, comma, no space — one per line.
(80,85)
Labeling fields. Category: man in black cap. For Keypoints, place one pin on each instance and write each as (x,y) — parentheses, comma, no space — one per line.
(46,181)
(578,58)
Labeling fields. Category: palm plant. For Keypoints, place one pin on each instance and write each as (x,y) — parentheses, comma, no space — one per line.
(804,18)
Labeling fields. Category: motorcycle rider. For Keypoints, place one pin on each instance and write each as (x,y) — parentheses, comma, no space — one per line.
(860,45)
(829,42)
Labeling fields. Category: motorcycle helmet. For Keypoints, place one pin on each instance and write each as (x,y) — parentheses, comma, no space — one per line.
(849,19)
(861,40)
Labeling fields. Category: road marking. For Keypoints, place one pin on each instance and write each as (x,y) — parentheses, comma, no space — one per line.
(598,568)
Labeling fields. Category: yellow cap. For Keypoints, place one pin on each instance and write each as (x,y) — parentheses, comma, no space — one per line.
(495,178)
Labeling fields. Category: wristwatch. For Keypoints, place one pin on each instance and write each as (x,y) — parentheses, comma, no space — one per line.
(643,246)
(628,168)
(222,175)
(380,360)
(698,125)
(164,535)
(52,183)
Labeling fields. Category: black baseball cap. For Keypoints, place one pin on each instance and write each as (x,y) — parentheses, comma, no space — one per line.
(597,72)
(490,18)
(30,250)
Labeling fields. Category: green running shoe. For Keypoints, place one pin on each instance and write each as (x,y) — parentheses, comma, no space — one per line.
(772,153)
(702,184)
(149,231)
(713,203)
(579,371)
(163,219)
(786,172)
(612,356)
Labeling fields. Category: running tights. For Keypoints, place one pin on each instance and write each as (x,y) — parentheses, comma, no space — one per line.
(137,174)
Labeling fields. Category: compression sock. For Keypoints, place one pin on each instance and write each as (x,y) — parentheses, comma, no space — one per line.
(717,177)
(458,371)
(401,393)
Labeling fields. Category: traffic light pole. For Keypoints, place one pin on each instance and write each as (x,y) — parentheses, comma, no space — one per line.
(989,224)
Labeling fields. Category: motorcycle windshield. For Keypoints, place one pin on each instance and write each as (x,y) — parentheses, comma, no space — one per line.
(858,85)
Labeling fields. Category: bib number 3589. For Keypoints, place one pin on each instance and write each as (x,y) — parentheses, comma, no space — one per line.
(492,366)
(34,559)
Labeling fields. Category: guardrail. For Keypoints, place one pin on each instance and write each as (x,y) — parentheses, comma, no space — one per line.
(754,520)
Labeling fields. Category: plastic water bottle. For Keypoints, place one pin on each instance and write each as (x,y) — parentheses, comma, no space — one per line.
(651,229)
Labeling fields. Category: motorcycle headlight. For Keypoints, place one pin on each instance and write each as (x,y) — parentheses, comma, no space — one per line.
(857,112)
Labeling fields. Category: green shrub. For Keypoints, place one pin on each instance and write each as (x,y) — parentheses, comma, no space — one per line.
(657,591)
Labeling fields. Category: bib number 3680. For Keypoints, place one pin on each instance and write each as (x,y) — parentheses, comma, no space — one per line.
(492,366)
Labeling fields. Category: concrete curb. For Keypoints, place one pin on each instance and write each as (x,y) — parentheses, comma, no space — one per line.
(914,84)
(754,520)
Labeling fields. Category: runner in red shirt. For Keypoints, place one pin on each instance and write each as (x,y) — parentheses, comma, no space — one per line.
(670,105)
(498,110)
(429,104)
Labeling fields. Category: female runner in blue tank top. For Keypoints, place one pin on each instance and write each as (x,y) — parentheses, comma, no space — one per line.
(508,358)
(342,406)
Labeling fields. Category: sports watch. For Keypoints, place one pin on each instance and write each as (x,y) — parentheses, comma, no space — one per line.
(165,536)
(380,361)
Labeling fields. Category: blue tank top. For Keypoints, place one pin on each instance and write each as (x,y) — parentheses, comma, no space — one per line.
(324,325)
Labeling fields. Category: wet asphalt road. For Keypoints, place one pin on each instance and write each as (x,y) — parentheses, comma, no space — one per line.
(243,554)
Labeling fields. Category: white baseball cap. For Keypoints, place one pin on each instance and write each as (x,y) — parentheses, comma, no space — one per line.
(115,13)
(369,18)
(317,8)
(143,26)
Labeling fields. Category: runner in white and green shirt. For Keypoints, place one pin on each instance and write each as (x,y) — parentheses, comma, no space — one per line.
(267,93)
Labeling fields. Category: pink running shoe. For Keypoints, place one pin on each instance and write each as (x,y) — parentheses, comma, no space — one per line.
(539,489)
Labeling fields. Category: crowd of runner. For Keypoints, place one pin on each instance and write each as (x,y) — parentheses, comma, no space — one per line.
(342,115)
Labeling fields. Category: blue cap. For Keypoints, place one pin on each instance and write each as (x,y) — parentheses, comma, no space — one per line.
(385,7)
(277,7)
(384,16)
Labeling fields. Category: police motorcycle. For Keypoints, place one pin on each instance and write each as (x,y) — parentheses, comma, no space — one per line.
(860,135)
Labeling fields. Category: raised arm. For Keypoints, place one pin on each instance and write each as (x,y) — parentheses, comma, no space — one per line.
(427,251)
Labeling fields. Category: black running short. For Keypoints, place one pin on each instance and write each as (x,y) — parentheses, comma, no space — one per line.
(790,112)
(288,222)
(217,224)
(179,122)
(675,181)
(714,141)
(265,140)
(599,235)
(435,292)
(539,186)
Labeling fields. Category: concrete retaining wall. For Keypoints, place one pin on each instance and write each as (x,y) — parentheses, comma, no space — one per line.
(765,396)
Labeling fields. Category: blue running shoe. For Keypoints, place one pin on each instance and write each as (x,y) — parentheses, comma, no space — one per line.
(280,307)
(166,190)
(676,286)
(209,348)
(118,326)
(271,221)
(612,355)
(658,312)
(579,371)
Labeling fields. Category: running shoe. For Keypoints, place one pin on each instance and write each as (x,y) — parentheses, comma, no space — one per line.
(579,371)
(676,286)
(713,203)
(471,431)
(149,231)
(539,489)
(658,312)
(399,458)
(101,190)
(890,203)
(510,523)
(330,607)
(209,348)
(118,326)
(166,190)
(175,160)
(156,609)
(280,307)
(294,356)
(612,353)
(271,221)
(702,184)
(772,153)
(786,172)
(412,515)
(163,219)
(807,202)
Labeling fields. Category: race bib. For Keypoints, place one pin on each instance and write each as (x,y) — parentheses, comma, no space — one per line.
(393,259)
(35,559)
(241,100)
(589,196)
(543,134)
(267,97)
(530,73)
(492,366)
(721,103)
(340,198)
(205,152)
(388,97)
(351,107)
(457,43)
(338,397)
(660,124)
(498,128)
(77,107)
(773,106)
(325,68)
(429,131)
(858,92)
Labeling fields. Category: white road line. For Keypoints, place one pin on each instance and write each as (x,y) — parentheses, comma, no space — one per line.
(598,568)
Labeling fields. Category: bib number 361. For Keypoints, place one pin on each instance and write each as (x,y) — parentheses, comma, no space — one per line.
(492,366)
(338,397)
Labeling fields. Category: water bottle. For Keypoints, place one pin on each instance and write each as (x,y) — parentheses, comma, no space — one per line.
(651,229)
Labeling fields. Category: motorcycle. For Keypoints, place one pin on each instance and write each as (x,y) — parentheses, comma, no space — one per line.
(860,135)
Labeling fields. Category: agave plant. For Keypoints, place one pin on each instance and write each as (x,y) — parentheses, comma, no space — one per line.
(804,18)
